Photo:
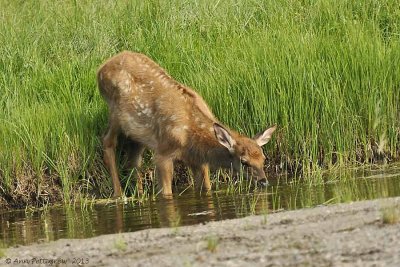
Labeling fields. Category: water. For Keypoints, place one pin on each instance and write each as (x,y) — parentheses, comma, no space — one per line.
(20,227)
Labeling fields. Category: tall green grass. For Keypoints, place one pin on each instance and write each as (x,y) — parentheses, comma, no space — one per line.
(327,72)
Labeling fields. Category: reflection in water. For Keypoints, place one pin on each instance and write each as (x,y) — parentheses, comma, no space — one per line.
(24,227)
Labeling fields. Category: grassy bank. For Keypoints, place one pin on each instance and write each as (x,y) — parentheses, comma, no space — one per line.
(328,72)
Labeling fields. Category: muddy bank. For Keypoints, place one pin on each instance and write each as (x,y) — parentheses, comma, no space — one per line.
(352,234)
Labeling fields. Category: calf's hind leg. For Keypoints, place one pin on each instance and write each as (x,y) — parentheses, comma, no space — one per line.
(134,152)
(109,145)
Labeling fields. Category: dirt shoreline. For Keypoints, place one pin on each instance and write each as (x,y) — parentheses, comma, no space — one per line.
(351,234)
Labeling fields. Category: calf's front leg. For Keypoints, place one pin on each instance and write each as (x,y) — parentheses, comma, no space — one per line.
(164,172)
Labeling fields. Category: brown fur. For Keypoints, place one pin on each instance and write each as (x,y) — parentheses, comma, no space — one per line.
(157,112)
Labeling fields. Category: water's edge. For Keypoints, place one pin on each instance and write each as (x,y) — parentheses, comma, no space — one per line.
(328,235)
(23,227)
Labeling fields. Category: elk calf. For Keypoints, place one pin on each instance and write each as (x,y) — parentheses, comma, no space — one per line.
(159,113)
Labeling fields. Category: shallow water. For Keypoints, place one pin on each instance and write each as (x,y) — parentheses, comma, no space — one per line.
(22,227)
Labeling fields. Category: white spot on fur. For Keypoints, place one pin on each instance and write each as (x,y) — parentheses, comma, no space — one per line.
(177,130)
(159,120)
(147,112)
(126,86)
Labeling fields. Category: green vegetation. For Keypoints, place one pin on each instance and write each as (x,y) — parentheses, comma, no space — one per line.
(212,243)
(391,214)
(120,243)
(3,248)
(327,72)
(2,251)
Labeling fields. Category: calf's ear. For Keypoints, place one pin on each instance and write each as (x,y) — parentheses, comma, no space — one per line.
(263,137)
(224,137)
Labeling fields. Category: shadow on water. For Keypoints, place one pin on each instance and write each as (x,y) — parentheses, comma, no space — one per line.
(24,227)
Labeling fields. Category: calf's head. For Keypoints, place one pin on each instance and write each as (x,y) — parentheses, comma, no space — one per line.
(244,151)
